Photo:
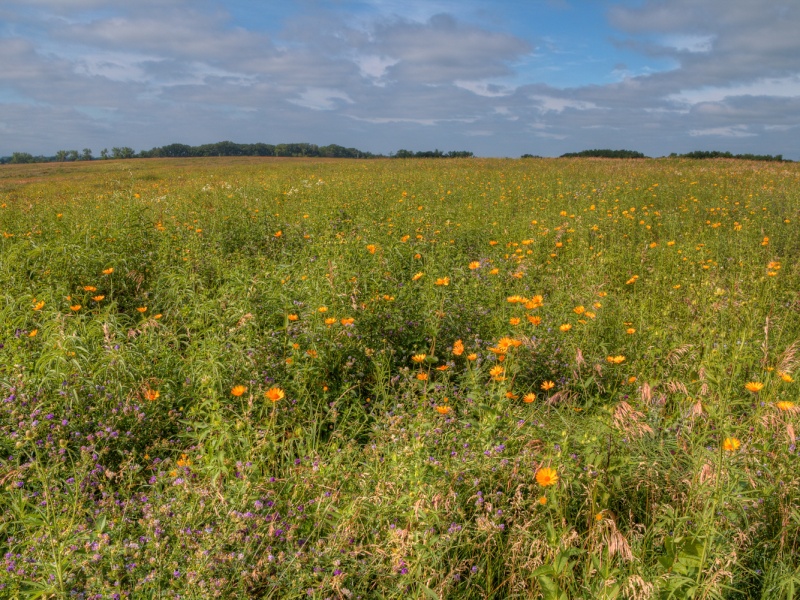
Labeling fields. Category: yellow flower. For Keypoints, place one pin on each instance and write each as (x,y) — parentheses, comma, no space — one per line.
(238,390)
(418,276)
(151,395)
(419,358)
(579,310)
(141,309)
(786,377)
(33,333)
(458,347)
(754,386)
(786,406)
(472,356)
(528,398)
(565,327)
(630,331)
(330,321)
(443,281)
(322,309)
(547,385)
(494,271)
(274,394)
(39,305)
(474,265)
(543,500)
(497,373)
(108,271)
(546,477)
(443,410)
(731,444)
(615,360)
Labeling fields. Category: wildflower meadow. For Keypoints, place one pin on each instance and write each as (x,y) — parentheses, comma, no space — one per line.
(461,378)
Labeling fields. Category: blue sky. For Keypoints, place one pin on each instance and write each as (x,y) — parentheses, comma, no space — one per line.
(496,77)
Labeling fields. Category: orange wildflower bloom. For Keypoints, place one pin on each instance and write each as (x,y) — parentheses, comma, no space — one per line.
(274,394)
(546,477)
(238,390)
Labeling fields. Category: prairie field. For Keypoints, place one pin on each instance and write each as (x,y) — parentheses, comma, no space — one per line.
(478,378)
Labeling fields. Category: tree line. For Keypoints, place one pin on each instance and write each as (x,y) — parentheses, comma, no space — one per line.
(226,148)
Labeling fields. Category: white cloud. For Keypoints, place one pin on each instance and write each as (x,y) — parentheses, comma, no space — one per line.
(321,99)
(731,131)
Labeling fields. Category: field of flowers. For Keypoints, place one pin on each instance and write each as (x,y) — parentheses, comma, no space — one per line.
(266,378)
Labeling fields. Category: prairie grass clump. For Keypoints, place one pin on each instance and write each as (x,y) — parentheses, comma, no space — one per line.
(471,379)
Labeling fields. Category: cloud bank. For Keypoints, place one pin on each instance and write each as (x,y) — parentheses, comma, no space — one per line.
(495,78)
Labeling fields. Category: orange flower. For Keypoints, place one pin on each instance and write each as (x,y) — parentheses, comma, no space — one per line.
(89,288)
(630,331)
(274,394)
(535,302)
(33,333)
(98,298)
(547,385)
(142,309)
(497,373)
(528,398)
(238,390)
(108,271)
(422,376)
(292,317)
(444,410)
(785,376)
(39,305)
(615,360)
(546,477)
(754,386)
(543,500)
(75,307)
(458,348)
(534,319)
(474,265)
(514,321)
(443,281)
(371,248)
(579,310)
(347,321)
(419,358)
(330,321)
(151,395)
(786,406)
(472,356)
(565,327)
(322,309)
(418,276)
(731,444)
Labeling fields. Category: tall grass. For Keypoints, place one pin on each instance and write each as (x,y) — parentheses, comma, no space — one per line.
(450,379)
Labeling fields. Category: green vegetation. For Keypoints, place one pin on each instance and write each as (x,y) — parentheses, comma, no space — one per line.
(272,378)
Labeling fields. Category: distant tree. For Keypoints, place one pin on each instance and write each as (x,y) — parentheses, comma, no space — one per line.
(72,155)
(124,152)
(20,158)
(61,156)
(86,154)
(530,156)
(402,153)
(104,153)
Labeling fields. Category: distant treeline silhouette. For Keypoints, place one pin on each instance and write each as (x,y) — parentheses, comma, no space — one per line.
(226,148)
(605,153)
(716,154)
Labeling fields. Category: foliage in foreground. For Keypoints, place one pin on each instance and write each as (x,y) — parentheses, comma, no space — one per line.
(471,379)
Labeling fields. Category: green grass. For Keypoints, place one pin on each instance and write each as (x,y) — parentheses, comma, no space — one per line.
(135,295)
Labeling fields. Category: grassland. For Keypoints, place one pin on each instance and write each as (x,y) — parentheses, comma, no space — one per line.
(263,378)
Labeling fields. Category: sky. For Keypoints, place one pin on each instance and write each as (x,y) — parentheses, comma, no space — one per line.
(494,77)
